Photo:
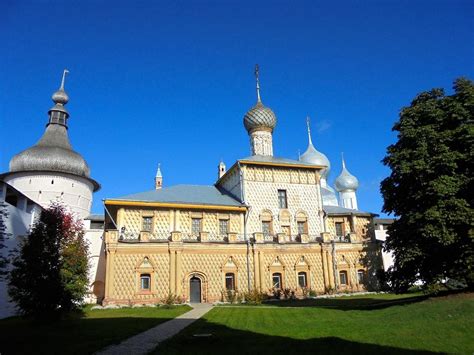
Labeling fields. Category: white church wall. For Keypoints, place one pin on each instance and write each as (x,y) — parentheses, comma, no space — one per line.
(45,188)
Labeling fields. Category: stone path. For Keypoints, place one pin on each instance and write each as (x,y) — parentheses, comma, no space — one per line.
(145,342)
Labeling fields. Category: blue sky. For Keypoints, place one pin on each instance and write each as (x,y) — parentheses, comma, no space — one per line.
(170,81)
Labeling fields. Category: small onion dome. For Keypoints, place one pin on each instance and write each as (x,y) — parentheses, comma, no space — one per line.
(259,117)
(315,157)
(60,97)
(346,181)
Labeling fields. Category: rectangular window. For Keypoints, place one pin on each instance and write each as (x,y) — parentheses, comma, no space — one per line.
(276,279)
(361,276)
(146,224)
(229,281)
(266,229)
(223,226)
(196,226)
(301,227)
(302,279)
(339,229)
(282,200)
(145,282)
(343,277)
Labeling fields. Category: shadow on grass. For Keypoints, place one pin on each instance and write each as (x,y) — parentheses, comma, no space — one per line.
(348,303)
(69,336)
(226,340)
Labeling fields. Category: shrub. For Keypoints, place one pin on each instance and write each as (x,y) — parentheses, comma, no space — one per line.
(49,274)
(312,293)
(255,297)
(171,299)
(230,296)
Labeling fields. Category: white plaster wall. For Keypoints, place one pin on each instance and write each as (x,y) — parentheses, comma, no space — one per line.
(18,223)
(231,183)
(387,257)
(348,199)
(94,238)
(261,143)
(44,188)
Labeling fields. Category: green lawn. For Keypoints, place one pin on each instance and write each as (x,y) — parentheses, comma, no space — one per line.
(80,334)
(368,324)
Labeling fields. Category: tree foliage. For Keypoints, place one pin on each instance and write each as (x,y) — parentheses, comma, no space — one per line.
(3,236)
(430,189)
(49,273)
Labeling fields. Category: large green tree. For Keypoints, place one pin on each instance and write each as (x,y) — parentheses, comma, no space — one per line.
(430,189)
(49,274)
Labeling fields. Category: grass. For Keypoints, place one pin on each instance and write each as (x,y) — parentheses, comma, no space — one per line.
(80,334)
(387,324)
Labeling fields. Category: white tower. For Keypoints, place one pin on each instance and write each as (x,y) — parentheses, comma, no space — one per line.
(347,184)
(158,178)
(51,170)
(260,122)
(221,170)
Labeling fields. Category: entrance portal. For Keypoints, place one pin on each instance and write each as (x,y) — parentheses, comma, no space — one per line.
(195,289)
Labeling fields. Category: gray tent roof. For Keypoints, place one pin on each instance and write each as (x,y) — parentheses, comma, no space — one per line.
(190,194)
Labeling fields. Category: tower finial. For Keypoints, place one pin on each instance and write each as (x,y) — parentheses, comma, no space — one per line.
(65,71)
(258,82)
(309,130)
(343,162)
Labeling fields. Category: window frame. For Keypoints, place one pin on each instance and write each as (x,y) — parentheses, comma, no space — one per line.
(280,280)
(229,276)
(145,276)
(269,228)
(361,280)
(199,220)
(305,276)
(149,224)
(341,224)
(282,199)
(343,273)
(223,222)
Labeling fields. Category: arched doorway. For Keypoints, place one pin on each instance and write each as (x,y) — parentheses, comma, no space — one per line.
(195,290)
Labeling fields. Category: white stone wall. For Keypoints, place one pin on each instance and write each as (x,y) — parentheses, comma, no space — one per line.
(94,238)
(44,188)
(348,199)
(18,224)
(261,185)
(261,143)
(231,183)
(381,234)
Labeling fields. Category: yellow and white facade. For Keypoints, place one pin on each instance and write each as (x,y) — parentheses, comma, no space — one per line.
(267,223)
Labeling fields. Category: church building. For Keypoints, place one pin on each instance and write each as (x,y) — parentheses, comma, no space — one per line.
(267,223)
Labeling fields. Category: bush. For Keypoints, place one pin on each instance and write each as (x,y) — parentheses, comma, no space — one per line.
(312,293)
(276,293)
(49,274)
(230,296)
(255,297)
(171,299)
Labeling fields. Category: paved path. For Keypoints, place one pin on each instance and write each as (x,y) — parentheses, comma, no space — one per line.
(145,342)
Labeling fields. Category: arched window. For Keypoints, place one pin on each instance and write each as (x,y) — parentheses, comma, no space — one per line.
(302,279)
(145,282)
(266,219)
(276,280)
(343,277)
(361,276)
(230,281)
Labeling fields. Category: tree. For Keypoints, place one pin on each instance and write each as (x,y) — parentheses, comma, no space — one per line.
(49,274)
(3,235)
(430,189)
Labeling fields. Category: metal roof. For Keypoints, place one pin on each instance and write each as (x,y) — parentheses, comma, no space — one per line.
(274,160)
(186,194)
(384,220)
(95,217)
(336,210)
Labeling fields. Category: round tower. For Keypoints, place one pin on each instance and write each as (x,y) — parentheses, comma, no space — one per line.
(260,121)
(51,170)
(347,184)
